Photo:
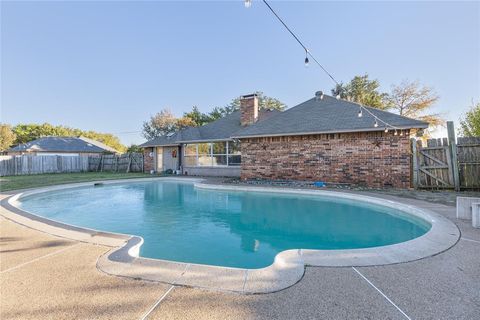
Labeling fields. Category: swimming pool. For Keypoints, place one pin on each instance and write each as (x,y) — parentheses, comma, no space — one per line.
(180,222)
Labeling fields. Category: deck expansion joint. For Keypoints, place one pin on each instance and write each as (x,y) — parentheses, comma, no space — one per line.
(40,258)
(145,316)
(383,294)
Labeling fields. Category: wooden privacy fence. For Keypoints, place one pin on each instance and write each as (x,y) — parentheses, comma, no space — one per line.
(37,164)
(128,162)
(31,164)
(468,155)
(447,163)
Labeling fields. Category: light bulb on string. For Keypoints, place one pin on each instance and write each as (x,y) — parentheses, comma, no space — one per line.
(395,133)
(401,132)
(386,130)
(338,96)
(248,3)
(306,61)
(360,112)
(375,124)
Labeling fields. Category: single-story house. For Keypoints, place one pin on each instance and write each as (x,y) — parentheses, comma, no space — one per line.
(322,139)
(64,146)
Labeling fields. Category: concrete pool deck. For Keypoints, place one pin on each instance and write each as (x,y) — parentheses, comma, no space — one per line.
(50,277)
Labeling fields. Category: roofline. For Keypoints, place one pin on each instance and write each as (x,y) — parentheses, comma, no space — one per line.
(327,132)
(60,151)
(144,145)
(206,140)
(185,142)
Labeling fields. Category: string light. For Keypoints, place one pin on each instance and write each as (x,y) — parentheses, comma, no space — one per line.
(401,132)
(395,132)
(308,54)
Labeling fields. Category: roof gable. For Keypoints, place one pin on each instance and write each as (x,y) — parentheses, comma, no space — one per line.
(63,144)
(327,115)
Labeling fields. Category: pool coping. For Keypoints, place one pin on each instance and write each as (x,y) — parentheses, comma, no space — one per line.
(286,270)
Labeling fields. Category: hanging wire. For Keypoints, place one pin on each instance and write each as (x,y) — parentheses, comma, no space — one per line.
(300,42)
(309,53)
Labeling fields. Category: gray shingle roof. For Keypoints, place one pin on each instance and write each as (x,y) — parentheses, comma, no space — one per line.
(221,129)
(63,144)
(328,115)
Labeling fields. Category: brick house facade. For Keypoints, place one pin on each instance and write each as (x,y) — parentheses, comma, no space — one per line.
(322,139)
(148,159)
(373,159)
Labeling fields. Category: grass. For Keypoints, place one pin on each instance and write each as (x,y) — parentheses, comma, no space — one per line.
(41,180)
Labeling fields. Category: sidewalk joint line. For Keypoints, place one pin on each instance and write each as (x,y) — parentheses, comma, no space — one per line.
(157,303)
(245,280)
(39,258)
(467,239)
(388,299)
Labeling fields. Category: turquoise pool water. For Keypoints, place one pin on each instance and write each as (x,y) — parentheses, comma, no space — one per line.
(236,229)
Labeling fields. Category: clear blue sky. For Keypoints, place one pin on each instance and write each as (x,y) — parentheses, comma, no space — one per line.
(108,66)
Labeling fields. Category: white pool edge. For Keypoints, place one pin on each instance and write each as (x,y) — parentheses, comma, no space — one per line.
(287,269)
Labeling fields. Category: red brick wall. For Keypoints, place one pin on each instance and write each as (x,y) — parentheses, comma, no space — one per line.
(373,159)
(248,110)
(148,160)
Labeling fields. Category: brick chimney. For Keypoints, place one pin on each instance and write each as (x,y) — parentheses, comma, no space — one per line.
(248,109)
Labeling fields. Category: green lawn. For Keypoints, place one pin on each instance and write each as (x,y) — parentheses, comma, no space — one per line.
(40,180)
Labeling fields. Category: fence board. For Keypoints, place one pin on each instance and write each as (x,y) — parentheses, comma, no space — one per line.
(37,164)
(437,165)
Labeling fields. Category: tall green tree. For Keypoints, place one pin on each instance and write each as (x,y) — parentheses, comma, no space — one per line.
(7,136)
(198,118)
(470,124)
(362,90)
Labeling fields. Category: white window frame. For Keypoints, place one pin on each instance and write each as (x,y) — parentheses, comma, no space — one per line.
(211,154)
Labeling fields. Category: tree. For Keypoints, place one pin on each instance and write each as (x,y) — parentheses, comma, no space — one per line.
(264,103)
(105,138)
(362,90)
(7,136)
(165,122)
(160,124)
(133,148)
(470,125)
(412,100)
(200,118)
(28,132)
(185,122)
(197,117)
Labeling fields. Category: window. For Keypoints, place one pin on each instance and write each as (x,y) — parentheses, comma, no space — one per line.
(190,153)
(222,153)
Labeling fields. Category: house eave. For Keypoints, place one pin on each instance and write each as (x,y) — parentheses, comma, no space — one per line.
(184,142)
(159,145)
(326,132)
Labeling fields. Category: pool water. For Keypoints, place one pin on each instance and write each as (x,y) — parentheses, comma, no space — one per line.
(227,228)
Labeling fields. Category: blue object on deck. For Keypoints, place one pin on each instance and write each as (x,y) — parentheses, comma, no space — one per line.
(319,184)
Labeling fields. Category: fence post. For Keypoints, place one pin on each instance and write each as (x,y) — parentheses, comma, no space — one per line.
(413,141)
(453,154)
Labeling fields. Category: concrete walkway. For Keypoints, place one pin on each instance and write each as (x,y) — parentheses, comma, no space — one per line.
(46,277)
